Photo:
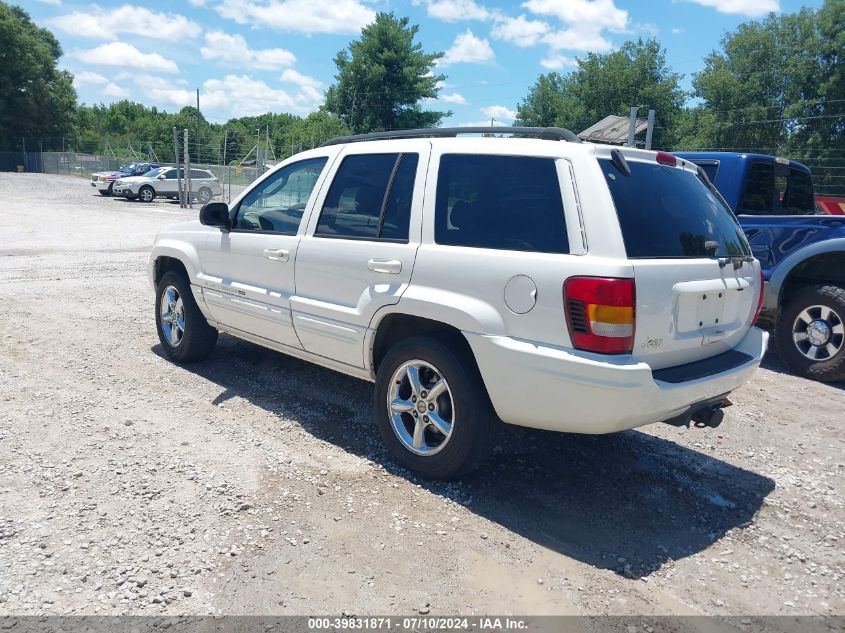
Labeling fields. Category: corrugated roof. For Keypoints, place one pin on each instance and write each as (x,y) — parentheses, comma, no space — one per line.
(612,129)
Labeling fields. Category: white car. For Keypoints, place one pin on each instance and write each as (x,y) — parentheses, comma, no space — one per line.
(542,282)
(162,182)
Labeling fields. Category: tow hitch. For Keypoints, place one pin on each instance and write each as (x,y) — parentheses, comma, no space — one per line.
(704,414)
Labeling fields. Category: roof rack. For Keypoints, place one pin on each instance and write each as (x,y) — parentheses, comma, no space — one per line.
(546,133)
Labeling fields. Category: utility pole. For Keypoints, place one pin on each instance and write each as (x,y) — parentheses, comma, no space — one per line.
(178,170)
(188,172)
(41,151)
(632,128)
(24,153)
(199,160)
(649,130)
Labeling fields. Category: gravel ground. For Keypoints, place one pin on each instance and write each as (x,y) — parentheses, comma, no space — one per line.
(254,483)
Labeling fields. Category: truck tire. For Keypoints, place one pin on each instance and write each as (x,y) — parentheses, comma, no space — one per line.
(810,333)
(184,333)
(432,409)
(146,194)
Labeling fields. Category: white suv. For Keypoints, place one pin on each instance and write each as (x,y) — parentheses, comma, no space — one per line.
(542,282)
(163,182)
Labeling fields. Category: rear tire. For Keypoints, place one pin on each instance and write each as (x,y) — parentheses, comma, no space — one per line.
(204,195)
(184,333)
(810,333)
(105,192)
(146,194)
(459,405)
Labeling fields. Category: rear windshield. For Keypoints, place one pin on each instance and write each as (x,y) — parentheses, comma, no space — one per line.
(772,189)
(669,212)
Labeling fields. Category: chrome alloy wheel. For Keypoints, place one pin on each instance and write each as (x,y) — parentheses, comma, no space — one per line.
(172,316)
(146,194)
(818,333)
(421,408)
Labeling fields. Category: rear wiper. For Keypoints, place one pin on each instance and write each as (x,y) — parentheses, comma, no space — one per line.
(737,261)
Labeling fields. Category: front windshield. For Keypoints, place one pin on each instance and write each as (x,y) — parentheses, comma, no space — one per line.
(154,172)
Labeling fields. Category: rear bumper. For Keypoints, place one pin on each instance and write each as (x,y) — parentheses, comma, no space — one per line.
(552,388)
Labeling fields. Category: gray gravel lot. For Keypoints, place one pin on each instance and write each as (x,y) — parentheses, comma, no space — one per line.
(253,483)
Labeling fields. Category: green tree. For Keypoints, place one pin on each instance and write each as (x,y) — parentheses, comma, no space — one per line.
(383,77)
(776,85)
(36,99)
(610,83)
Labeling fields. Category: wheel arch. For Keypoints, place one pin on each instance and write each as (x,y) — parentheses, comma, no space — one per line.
(822,263)
(171,255)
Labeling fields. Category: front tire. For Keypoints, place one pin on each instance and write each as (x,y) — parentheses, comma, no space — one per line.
(432,409)
(146,194)
(810,333)
(184,333)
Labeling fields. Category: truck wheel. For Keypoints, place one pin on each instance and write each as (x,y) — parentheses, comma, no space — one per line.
(146,194)
(184,333)
(810,333)
(432,410)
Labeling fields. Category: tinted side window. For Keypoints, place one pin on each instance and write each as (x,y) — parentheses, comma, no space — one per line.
(710,169)
(502,202)
(170,174)
(759,193)
(277,203)
(370,198)
(200,174)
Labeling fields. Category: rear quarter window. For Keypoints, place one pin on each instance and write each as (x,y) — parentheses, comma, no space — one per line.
(667,212)
(500,202)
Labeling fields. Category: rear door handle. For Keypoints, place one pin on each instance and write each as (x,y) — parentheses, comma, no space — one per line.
(389,266)
(279,255)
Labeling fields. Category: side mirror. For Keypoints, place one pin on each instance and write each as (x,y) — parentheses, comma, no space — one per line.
(160,176)
(216,214)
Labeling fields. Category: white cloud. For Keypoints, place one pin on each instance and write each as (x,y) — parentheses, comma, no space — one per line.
(480,123)
(452,98)
(586,40)
(519,31)
(125,55)
(113,90)
(751,8)
(236,96)
(197,3)
(86,77)
(103,24)
(305,16)
(55,3)
(232,50)
(456,10)
(556,62)
(593,14)
(498,112)
(294,77)
(467,48)
(677,31)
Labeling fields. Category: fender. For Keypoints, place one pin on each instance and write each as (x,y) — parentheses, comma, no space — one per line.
(466,314)
(179,249)
(782,269)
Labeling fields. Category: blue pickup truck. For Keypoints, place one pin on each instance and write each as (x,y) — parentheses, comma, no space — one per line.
(802,255)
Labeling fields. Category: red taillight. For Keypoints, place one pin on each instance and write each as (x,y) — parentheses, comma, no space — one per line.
(600,314)
(760,299)
(665,158)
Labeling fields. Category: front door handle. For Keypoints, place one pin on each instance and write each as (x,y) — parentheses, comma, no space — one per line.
(279,255)
(389,266)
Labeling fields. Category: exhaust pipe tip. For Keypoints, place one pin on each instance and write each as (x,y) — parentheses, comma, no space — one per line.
(710,417)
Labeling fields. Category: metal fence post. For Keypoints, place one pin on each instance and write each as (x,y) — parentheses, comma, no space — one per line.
(178,172)
(188,172)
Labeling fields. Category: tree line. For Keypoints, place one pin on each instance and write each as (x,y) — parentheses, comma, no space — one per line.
(775,85)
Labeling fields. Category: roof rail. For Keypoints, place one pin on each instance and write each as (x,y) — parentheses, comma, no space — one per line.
(546,133)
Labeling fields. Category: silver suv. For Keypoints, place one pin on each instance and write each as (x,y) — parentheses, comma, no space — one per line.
(162,182)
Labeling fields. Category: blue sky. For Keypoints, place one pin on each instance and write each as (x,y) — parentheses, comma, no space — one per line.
(253,56)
